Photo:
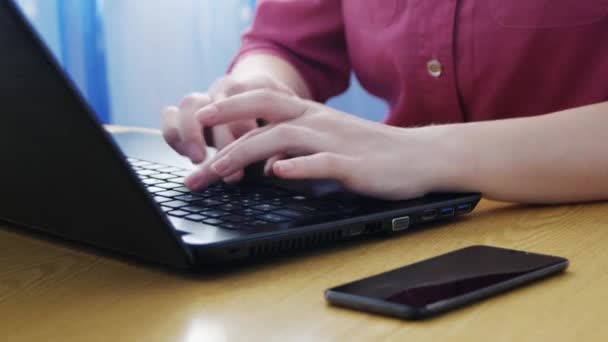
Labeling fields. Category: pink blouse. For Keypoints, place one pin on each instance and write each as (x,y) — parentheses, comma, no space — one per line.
(439,61)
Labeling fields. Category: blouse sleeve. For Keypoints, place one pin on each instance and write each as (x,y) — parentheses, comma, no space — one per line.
(309,34)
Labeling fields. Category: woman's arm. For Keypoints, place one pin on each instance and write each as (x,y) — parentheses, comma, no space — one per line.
(553,158)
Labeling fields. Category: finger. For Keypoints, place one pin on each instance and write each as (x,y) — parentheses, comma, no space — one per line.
(324,165)
(269,105)
(244,137)
(228,86)
(224,137)
(268,165)
(170,130)
(204,176)
(285,139)
(240,128)
(190,130)
(235,177)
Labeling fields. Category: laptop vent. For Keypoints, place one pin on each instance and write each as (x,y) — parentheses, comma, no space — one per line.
(297,243)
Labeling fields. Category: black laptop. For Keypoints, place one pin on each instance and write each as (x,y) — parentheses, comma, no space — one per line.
(63,174)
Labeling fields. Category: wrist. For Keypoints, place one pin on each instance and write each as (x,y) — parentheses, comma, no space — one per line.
(448,159)
(265,64)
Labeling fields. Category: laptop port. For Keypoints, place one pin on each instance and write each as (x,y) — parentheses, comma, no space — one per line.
(429,215)
(356,230)
(400,223)
(446,212)
(463,209)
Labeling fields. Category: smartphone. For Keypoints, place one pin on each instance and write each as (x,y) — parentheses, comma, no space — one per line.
(445,282)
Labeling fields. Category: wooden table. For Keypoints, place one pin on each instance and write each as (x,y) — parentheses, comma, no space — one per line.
(50,291)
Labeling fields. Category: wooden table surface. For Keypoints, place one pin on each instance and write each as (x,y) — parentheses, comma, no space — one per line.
(52,291)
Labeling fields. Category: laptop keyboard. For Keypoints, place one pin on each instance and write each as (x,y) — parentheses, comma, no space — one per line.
(238,207)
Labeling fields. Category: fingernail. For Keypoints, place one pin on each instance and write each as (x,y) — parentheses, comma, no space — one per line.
(195,153)
(221,165)
(268,170)
(208,113)
(284,166)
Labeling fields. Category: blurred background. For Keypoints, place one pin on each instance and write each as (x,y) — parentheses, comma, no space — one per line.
(131,58)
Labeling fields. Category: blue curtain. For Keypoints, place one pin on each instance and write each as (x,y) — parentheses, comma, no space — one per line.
(132,58)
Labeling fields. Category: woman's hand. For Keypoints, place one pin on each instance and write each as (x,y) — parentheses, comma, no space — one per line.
(322,143)
(185,134)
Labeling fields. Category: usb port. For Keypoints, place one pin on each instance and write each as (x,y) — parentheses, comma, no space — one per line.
(463,209)
(401,223)
(429,214)
(446,212)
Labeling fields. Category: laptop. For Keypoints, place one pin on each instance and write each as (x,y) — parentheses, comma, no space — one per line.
(63,174)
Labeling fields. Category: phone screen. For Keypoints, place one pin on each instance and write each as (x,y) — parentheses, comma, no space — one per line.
(450,275)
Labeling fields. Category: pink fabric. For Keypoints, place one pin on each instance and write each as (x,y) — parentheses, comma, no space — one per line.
(500,58)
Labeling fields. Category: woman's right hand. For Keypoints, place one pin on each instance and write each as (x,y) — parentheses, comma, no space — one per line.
(184,133)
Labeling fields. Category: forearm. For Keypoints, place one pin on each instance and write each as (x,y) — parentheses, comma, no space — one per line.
(274,67)
(555,158)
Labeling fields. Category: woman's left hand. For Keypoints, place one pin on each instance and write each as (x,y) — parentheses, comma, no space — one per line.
(321,143)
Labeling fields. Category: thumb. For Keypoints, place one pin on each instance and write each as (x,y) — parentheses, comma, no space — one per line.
(325,165)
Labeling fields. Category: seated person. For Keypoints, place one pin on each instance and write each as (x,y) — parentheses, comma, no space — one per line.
(506,98)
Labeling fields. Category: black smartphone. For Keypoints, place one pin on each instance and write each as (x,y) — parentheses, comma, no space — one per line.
(445,282)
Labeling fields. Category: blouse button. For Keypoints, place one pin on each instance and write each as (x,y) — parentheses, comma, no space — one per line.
(434,68)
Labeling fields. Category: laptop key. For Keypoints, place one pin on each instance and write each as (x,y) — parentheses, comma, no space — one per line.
(169,193)
(273,218)
(230,207)
(175,204)
(195,217)
(213,221)
(182,173)
(144,172)
(180,180)
(193,208)
(169,169)
(179,213)
(151,181)
(214,213)
(188,198)
(181,189)
(247,202)
(155,190)
(277,201)
(168,185)
(161,176)
(232,226)
(204,193)
(209,202)
(265,207)
(161,199)
(249,212)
